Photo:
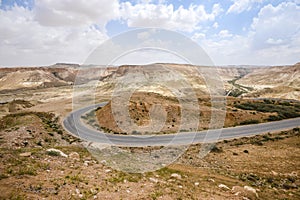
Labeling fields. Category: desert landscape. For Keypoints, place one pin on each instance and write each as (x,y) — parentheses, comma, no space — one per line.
(149,100)
(42,160)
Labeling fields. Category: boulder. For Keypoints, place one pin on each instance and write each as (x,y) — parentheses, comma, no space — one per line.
(245,192)
(224,187)
(74,156)
(177,176)
(26,154)
(59,152)
(154,180)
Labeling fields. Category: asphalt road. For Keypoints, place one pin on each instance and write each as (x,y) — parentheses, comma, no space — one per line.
(76,127)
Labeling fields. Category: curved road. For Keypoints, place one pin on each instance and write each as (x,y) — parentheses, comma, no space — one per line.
(76,127)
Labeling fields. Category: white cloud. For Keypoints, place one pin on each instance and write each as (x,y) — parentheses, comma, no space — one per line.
(164,16)
(278,23)
(143,36)
(75,12)
(224,34)
(241,5)
(223,51)
(276,33)
(67,31)
(23,41)
(146,35)
(53,31)
(217,10)
(198,36)
(63,31)
(216,25)
(273,39)
(143,57)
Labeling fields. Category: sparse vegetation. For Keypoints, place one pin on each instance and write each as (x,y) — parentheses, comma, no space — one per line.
(216,149)
(96,182)
(27,171)
(119,177)
(284,110)
(250,121)
(239,89)
(90,119)
(53,153)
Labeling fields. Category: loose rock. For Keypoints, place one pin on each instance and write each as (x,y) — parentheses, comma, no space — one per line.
(174,175)
(154,180)
(251,189)
(59,152)
(26,154)
(246,192)
(224,187)
(74,156)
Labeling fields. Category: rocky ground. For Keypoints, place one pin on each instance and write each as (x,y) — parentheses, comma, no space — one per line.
(40,161)
(238,112)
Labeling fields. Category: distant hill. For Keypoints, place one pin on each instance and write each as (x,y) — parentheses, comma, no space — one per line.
(17,78)
(65,65)
(60,74)
(274,82)
(246,81)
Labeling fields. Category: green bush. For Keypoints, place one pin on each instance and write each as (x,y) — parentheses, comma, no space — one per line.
(284,110)
(296,129)
(274,118)
(251,121)
(53,153)
(216,149)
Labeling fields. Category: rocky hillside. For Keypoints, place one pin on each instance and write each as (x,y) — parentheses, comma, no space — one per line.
(248,81)
(230,73)
(273,82)
(49,76)
(273,77)
(252,82)
(17,78)
(157,78)
(238,112)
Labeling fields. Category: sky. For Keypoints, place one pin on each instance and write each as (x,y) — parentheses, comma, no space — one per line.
(231,32)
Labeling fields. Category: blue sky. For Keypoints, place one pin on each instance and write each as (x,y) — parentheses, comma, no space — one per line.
(252,32)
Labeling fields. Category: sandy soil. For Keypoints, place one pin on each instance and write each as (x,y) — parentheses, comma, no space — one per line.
(261,167)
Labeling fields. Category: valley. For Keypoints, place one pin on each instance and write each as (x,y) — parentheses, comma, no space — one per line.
(40,159)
